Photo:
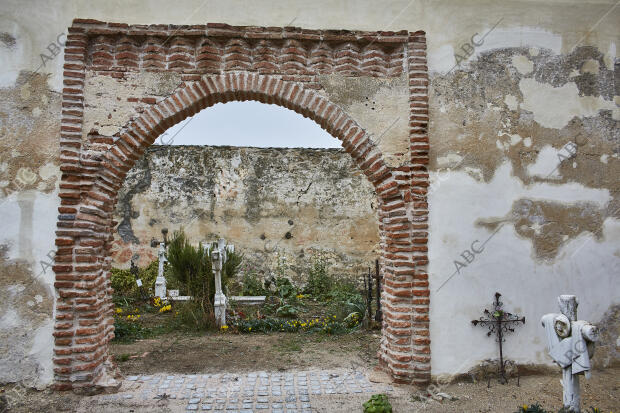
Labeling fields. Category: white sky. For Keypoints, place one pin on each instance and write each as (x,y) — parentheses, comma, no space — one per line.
(249,124)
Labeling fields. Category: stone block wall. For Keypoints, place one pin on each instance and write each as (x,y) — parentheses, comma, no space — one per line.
(279,207)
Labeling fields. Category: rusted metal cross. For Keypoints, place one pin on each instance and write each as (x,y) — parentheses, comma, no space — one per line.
(499,322)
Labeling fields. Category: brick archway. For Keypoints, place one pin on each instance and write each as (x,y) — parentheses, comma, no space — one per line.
(94,167)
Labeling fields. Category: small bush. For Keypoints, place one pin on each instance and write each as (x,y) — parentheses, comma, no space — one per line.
(534,408)
(122,358)
(127,331)
(344,300)
(319,282)
(124,282)
(378,403)
(191,267)
(193,315)
(287,310)
(252,285)
(285,288)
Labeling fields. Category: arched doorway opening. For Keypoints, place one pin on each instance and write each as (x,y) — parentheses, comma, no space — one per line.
(94,169)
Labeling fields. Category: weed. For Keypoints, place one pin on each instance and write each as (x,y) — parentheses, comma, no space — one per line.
(129,331)
(252,285)
(122,358)
(319,282)
(287,346)
(378,403)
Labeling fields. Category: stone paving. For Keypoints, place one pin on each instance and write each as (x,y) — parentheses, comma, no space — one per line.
(260,392)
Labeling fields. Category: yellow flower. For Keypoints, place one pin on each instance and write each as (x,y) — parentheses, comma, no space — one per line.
(250,329)
(525,407)
(119,311)
(224,327)
(165,308)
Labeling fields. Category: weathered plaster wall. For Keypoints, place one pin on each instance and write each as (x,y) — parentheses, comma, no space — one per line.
(293,202)
(544,76)
(525,161)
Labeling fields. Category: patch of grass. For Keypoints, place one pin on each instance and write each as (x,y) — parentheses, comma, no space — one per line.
(129,331)
(122,357)
(289,346)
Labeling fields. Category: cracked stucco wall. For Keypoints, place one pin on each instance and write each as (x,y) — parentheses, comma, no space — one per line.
(534,77)
(524,200)
(295,203)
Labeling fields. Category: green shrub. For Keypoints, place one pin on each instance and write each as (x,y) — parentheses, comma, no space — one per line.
(534,408)
(378,403)
(319,282)
(286,310)
(285,288)
(196,315)
(122,357)
(128,331)
(252,285)
(344,300)
(124,282)
(191,267)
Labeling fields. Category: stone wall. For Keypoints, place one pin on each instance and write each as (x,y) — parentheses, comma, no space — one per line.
(280,207)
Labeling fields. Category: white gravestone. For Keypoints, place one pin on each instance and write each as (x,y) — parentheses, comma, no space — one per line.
(160,281)
(218,258)
(571,345)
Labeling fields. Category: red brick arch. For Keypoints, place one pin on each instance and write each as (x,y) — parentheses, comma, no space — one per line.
(95,166)
(195,96)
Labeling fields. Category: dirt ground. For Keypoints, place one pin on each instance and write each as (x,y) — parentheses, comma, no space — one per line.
(180,353)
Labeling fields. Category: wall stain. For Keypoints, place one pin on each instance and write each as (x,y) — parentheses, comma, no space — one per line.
(29,136)
(608,349)
(549,225)
(135,183)
(8,40)
(480,107)
(28,306)
(253,197)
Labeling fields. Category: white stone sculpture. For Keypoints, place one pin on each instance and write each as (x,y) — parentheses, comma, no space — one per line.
(571,345)
(160,281)
(218,258)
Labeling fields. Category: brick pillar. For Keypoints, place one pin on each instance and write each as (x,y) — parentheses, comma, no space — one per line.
(418,133)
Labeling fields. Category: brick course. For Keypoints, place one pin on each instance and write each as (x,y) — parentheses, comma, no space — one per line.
(221,63)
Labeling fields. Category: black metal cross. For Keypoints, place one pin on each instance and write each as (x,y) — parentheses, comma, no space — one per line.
(499,322)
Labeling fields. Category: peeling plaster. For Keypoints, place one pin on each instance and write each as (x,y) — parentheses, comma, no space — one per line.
(26,340)
(522,64)
(549,225)
(554,107)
